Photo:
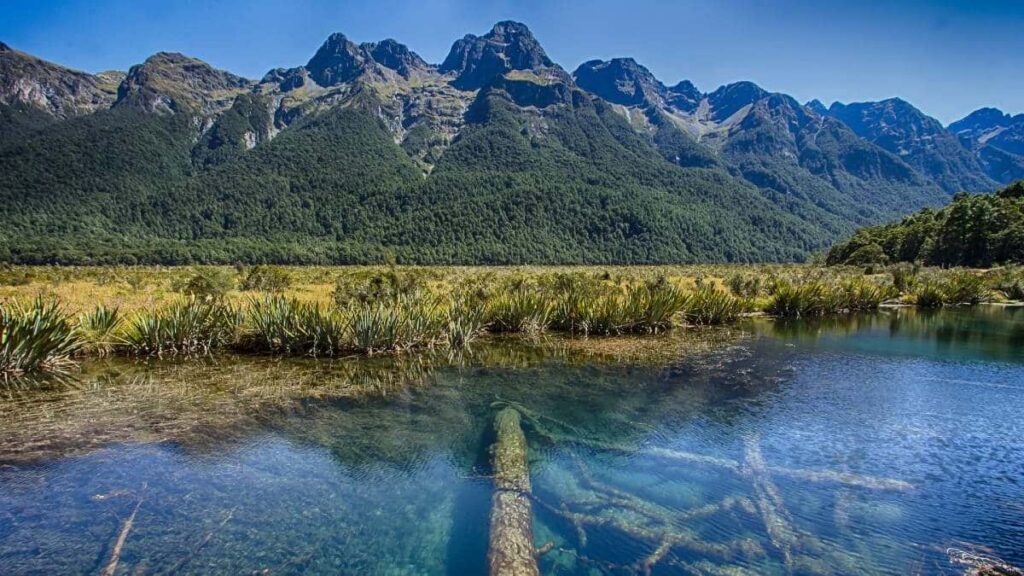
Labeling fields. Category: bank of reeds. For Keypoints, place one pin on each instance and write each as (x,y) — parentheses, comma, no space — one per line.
(815,298)
(403,311)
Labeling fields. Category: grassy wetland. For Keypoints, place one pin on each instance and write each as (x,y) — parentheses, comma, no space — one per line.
(50,317)
(581,420)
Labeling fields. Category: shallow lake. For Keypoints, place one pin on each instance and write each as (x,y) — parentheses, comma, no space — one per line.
(889,443)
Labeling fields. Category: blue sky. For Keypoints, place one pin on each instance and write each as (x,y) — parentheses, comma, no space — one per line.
(946,57)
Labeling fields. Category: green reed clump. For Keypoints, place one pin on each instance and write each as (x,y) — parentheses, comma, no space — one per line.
(929,294)
(98,328)
(189,328)
(584,304)
(963,287)
(282,325)
(404,325)
(465,319)
(519,310)
(35,337)
(860,295)
(656,305)
(1007,282)
(805,300)
(710,306)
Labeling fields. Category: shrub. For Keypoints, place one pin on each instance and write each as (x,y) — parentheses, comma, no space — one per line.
(266,279)
(387,286)
(868,254)
(745,286)
(904,278)
(212,284)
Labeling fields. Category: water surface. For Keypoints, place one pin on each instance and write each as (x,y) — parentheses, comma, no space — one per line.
(878,444)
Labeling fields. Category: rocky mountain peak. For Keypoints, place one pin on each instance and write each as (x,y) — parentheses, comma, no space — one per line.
(731,98)
(173,82)
(899,127)
(51,88)
(684,96)
(620,81)
(817,106)
(981,120)
(989,130)
(337,61)
(396,56)
(477,60)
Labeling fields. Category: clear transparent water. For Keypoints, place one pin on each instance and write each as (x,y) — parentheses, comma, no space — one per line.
(380,466)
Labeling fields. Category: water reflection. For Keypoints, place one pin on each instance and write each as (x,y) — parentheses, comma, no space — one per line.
(980,332)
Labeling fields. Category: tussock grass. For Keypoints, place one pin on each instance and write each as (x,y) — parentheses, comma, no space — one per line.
(710,306)
(188,328)
(34,337)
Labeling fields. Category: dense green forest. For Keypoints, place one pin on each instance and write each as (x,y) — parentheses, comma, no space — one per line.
(120,186)
(973,230)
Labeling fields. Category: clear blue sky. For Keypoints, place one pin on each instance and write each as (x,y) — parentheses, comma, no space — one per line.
(947,57)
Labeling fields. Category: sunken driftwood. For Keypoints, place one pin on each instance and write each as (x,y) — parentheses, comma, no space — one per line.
(122,537)
(511,551)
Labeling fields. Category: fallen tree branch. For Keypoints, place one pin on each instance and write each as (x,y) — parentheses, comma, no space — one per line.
(122,537)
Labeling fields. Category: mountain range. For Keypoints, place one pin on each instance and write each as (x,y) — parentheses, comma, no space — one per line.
(368,153)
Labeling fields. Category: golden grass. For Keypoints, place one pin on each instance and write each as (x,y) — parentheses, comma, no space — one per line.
(134,288)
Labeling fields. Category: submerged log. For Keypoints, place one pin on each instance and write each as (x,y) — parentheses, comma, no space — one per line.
(122,537)
(677,456)
(769,502)
(511,551)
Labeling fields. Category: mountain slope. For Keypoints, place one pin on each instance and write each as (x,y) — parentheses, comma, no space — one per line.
(809,164)
(920,140)
(570,182)
(997,140)
(53,89)
(368,153)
